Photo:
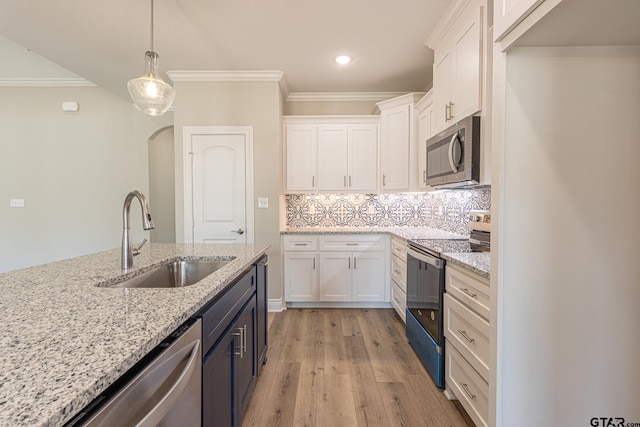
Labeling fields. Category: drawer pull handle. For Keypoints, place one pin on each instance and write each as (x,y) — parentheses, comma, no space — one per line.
(466,337)
(466,291)
(352,244)
(466,390)
(299,244)
(240,334)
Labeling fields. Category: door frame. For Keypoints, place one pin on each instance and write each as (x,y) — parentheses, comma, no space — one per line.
(187,133)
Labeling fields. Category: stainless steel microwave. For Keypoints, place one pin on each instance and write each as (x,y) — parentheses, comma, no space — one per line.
(453,155)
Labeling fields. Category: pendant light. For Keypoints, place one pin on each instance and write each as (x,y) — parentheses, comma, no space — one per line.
(149,92)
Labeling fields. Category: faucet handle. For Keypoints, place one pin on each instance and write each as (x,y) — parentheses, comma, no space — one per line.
(136,251)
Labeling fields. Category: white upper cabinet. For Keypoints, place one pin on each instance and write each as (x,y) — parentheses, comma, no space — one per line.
(300,148)
(398,140)
(363,158)
(348,158)
(347,153)
(426,116)
(333,152)
(458,63)
(395,148)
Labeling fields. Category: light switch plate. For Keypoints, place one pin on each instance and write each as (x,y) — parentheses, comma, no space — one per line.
(263,202)
(16,203)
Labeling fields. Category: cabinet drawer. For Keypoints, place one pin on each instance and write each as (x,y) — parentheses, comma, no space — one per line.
(350,242)
(399,272)
(300,243)
(469,332)
(469,387)
(469,288)
(399,300)
(399,248)
(217,316)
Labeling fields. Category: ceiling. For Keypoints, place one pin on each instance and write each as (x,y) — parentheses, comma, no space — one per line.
(104,41)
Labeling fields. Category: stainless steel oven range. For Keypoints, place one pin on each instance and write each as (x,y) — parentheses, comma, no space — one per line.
(425,289)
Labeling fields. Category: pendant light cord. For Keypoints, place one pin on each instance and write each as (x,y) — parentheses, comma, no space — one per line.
(152,26)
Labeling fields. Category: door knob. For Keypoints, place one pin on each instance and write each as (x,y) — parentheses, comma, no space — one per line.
(239,231)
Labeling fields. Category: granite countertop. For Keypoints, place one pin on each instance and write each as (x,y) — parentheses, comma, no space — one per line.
(476,262)
(407,233)
(64,339)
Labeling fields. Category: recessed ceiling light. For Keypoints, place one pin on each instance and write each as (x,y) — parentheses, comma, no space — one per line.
(343,59)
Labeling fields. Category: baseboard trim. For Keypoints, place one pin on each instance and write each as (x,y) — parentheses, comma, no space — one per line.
(276,305)
(339,304)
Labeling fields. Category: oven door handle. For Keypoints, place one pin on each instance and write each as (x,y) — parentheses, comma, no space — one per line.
(436,262)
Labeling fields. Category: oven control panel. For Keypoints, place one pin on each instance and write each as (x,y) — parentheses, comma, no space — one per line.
(480,220)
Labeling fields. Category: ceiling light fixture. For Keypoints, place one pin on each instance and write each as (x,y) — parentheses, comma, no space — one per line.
(342,59)
(149,92)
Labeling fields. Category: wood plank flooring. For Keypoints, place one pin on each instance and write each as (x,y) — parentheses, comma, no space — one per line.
(343,368)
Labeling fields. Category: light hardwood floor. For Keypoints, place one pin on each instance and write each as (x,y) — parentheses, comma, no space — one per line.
(343,368)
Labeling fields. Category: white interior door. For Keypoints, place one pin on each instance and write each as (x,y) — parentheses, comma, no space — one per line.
(219,193)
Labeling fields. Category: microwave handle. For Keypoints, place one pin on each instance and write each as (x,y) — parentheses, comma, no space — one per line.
(452,163)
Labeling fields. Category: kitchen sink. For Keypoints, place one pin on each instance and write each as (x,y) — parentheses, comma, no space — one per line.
(175,274)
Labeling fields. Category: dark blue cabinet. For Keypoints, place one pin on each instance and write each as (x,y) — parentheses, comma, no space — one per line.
(234,337)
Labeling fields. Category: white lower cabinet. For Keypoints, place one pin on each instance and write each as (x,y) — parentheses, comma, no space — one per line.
(369,278)
(466,331)
(336,268)
(469,387)
(398,267)
(301,276)
(335,276)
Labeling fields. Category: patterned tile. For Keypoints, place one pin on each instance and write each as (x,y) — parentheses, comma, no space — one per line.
(444,210)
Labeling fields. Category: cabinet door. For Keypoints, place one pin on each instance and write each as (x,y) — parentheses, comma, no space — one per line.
(335,276)
(369,276)
(423,125)
(467,47)
(332,158)
(300,276)
(217,383)
(301,142)
(442,84)
(363,158)
(246,360)
(395,139)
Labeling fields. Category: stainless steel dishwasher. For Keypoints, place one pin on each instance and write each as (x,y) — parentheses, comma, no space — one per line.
(163,389)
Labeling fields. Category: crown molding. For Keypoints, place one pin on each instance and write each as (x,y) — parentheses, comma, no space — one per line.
(231,76)
(446,22)
(42,82)
(341,96)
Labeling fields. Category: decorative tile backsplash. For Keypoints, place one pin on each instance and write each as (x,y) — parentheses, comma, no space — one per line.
(444,210)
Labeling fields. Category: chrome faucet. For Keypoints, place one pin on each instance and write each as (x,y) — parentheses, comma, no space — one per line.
(147,223)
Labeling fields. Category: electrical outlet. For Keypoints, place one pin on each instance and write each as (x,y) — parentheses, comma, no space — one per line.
(16,203)
(263,202)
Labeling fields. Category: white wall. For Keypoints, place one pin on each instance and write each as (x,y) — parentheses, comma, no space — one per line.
(569,237)
(72,169)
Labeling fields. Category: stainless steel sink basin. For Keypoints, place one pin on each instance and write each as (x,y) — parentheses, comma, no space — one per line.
(175,274)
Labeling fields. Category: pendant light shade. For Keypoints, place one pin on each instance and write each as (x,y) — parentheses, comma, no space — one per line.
(149,92)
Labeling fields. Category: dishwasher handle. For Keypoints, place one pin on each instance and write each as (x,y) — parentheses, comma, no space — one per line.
(158,412)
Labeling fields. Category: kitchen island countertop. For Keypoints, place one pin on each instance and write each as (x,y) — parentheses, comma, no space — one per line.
(64,339)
